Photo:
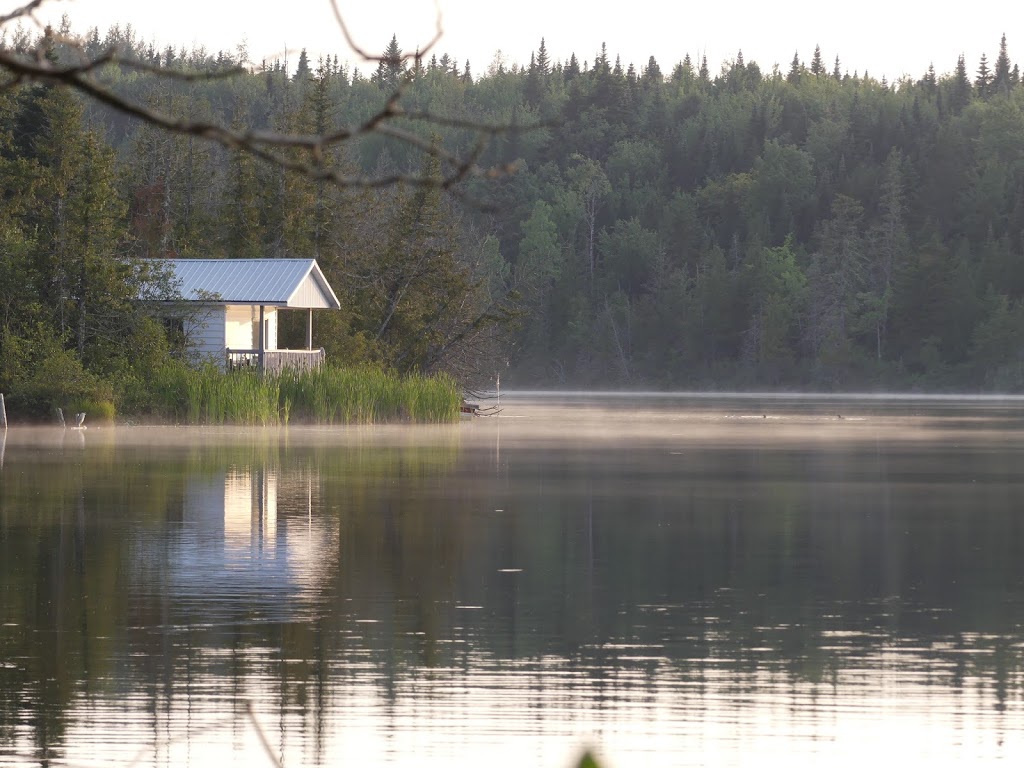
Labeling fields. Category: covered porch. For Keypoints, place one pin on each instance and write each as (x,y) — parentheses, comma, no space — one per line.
(263,355)
(232,306)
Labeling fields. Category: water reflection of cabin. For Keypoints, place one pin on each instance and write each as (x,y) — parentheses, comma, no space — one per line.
(232,319)
(253,531)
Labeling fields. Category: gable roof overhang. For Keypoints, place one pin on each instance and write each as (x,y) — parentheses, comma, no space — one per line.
(286,283)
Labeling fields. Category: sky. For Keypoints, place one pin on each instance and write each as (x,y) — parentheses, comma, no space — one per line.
(885,37)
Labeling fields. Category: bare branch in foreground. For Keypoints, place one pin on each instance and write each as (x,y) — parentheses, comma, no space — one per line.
(366,56)
(83,75)
(25,11)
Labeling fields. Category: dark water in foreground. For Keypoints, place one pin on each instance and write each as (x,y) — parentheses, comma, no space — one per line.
(671,581)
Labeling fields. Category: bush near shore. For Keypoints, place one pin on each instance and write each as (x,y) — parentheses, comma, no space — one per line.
(329,395)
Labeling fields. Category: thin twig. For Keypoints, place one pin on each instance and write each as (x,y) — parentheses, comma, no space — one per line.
(261,735)
(366,56)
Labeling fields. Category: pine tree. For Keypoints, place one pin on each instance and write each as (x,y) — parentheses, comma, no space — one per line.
(817,65)
(795,69)
(102,294)
(983,82)
(79,230)
(543,62)
(534,86)
(302,69)
(836,74)
(836,278)
(391,67)
(419,301)
(930,81)
(572,69)
(888,245)
(1001,76)
(683,71)
(960,95)
(652,72)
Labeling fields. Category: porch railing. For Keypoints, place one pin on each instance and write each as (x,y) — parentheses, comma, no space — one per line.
(274,360)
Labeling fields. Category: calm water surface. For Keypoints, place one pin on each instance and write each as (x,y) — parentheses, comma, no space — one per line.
(666,580)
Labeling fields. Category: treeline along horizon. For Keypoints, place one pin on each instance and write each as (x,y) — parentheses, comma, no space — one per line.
(681,228)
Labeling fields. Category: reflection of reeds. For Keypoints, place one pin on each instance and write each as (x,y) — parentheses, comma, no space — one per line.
(324,396)
(586,759)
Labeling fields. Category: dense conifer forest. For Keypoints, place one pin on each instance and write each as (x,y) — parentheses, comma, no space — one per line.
(668,224)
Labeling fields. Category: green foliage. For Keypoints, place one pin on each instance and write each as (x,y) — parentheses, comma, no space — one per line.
(802,227)
(58,380)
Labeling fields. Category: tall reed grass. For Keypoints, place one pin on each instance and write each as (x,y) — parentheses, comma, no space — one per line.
(325,396)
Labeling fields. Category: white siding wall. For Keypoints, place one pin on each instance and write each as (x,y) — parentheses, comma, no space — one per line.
(310,294)
(242,330)
(239,330)
(213,330)
(205,334)
(271,315)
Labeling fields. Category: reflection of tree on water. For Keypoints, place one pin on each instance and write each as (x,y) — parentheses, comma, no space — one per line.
(60,583)
(320,581)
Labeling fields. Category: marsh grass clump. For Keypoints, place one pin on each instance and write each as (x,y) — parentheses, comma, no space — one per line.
(327,395)
(368,396)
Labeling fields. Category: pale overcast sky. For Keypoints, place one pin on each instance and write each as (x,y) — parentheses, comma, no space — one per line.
(886,37)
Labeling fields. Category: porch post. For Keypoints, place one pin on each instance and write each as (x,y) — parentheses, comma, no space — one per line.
(309,329)
(262,345)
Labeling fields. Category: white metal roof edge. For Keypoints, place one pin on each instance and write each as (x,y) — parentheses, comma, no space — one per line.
(222,303)
(313,268)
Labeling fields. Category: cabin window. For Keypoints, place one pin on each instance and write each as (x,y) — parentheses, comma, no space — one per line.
(174,328)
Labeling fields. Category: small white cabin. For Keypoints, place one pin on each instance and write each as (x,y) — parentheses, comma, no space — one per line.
(231,309)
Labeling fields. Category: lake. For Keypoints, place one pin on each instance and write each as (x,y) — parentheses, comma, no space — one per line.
(665,580)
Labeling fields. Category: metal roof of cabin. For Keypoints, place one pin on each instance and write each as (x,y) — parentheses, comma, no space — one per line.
(296,283)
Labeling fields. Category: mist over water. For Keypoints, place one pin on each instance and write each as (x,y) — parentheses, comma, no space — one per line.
(674,580)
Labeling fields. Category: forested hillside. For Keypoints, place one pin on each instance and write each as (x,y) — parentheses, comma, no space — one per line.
(667,226)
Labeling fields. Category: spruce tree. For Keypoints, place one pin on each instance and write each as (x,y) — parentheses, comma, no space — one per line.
(534,87)
(960,95)
(302,70)
(652,72)
(983,82)
(391,67)
(572,69)
(930,80)
(1001,76)
(543,62)
(795,69)
(817,65)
